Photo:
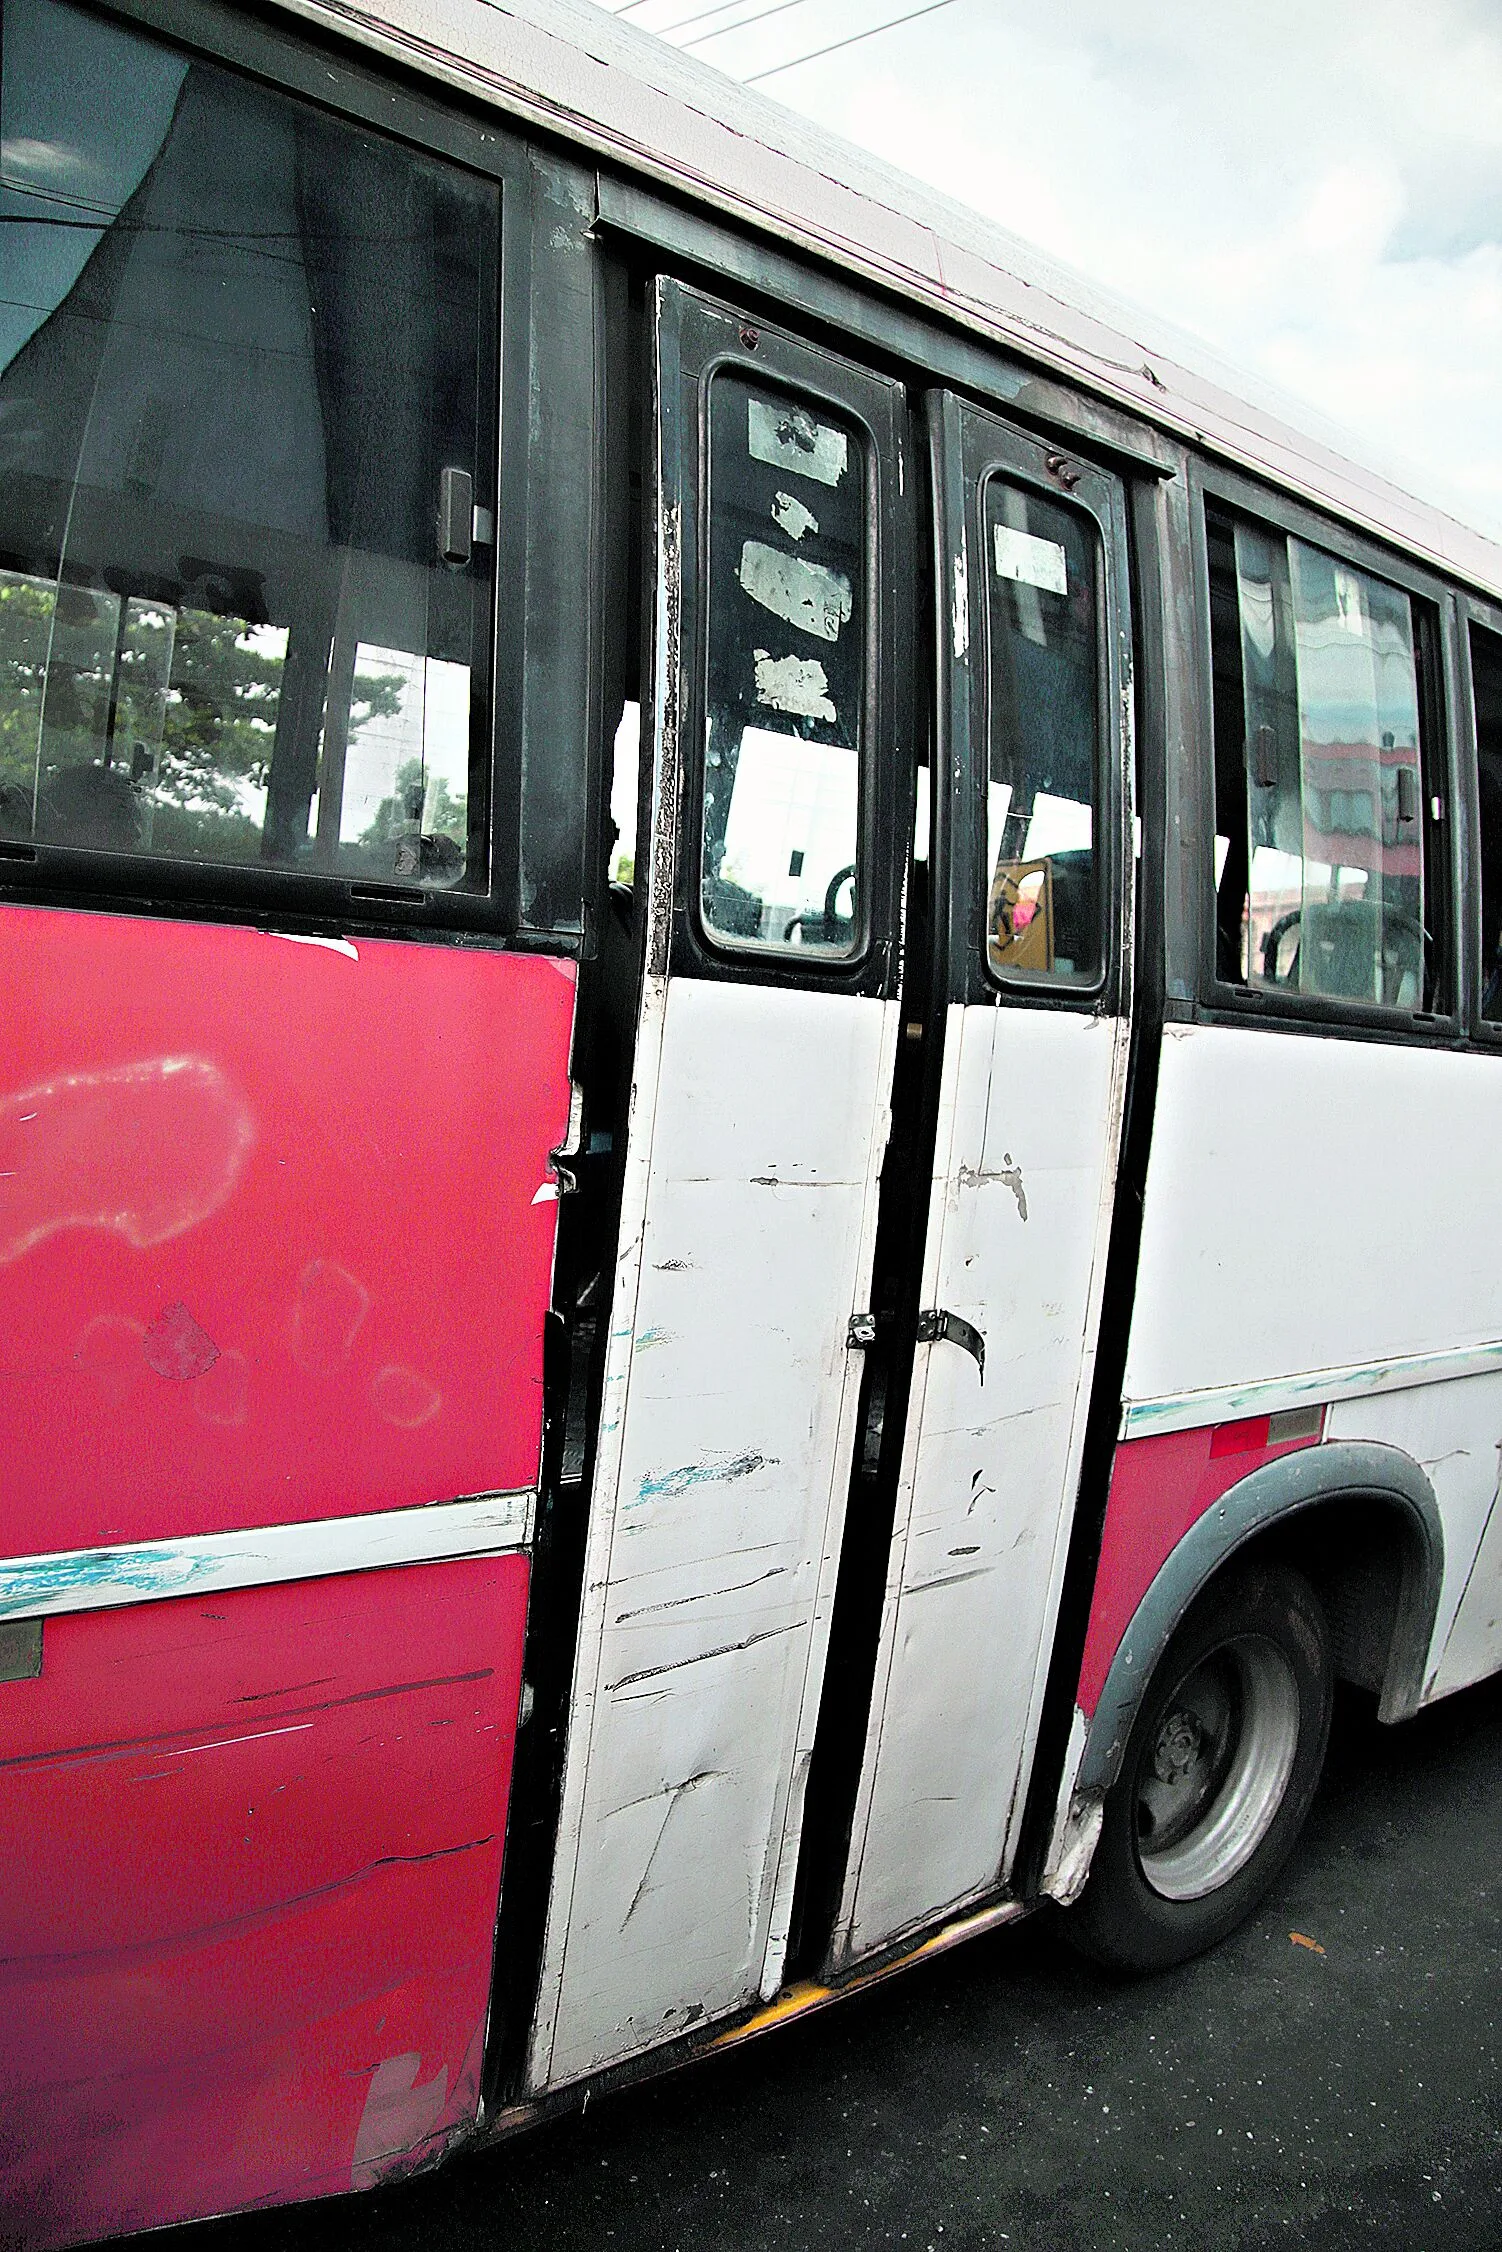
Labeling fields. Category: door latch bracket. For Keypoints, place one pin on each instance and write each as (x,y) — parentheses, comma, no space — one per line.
(936,1327)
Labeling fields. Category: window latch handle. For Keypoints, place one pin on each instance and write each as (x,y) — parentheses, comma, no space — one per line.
(1262,745)
(456,515)
(1408,793)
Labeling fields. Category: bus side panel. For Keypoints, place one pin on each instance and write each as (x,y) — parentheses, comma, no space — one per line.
(1315,1231)
(248,1893)
(1161,1485)
(276,1224)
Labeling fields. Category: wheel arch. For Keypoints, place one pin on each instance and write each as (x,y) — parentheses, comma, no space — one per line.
(1298,1507)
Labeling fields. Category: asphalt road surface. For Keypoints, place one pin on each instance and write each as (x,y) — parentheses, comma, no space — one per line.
(1339,2094)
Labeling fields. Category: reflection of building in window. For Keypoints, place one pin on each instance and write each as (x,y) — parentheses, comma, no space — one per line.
(1332,897)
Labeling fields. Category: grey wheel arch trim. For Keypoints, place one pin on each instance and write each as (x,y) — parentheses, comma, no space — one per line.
(1343,1470)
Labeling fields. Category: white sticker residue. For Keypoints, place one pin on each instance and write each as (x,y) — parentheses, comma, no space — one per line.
(789,438)
(1030,561)
(307,938)
(790,516)
(798,686)
(804,594)
(962,602)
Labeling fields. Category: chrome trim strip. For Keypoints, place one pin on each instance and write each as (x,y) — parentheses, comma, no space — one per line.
(1227,1403)
(97,1579)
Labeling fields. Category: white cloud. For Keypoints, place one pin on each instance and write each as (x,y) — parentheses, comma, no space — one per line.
(1317,192)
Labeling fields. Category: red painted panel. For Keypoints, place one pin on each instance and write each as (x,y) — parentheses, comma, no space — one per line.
(248,1893)
(268,1242)
(1160,1486)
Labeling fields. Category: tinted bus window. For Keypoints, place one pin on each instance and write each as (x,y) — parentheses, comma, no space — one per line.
(1486,680)
(1043,908)
(1320,831)
(787,672)
(241,377)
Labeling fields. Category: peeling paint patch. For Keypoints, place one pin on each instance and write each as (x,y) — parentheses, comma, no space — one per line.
(400,2113)
(962,603)
(798,686)
(666,1484)
(1007,1175)
(308,938)
(790,516)
(803,594)
(655,1336)
(787,437)
(178,1347)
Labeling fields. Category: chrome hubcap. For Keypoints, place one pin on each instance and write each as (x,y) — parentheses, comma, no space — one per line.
(1217,1769)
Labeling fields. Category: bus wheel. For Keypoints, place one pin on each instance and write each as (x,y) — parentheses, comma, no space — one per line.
(1220,1770)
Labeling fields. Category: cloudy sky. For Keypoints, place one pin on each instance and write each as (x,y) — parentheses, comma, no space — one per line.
(1314,189)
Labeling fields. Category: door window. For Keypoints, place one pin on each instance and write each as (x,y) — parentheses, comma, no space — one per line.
(242,374)
(1042,795)
(785,721)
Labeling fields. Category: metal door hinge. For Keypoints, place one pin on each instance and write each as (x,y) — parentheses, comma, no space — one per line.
(936,1327)
(861,1333)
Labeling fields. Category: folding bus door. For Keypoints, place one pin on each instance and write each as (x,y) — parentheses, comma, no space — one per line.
(1037,718)
(276,1210)
(759,1116)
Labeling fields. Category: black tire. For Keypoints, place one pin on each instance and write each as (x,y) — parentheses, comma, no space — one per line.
(1220,1769)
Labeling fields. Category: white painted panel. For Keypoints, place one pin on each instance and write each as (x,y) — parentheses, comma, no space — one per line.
(1017,1238)
(726,1442)
(1313,1204)
(151,1571)
(1454,1432)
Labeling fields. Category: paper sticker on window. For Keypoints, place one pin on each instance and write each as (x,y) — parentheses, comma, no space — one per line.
(789,438)
(805,594)
(1030,561)
(790,516)
(798,686)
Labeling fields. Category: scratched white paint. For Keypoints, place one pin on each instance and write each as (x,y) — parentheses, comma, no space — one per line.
(1406,1372)
(661,114)
(1024,1176)
(1321,1205)
(717,1515)
(1454,1432)
(101,1579)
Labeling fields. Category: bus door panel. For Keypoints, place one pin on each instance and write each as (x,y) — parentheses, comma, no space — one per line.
(1031,1102)
(759,1115)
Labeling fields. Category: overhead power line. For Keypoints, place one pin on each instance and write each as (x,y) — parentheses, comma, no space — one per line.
(745,23)
(854,40)
(702,15)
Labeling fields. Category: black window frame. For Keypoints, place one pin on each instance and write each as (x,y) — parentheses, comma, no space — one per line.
(1473,610)
(534,312)
(977,445)
(1222,490)
(701,337)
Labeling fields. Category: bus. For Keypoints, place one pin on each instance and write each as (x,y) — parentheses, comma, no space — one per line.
(753,1004)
